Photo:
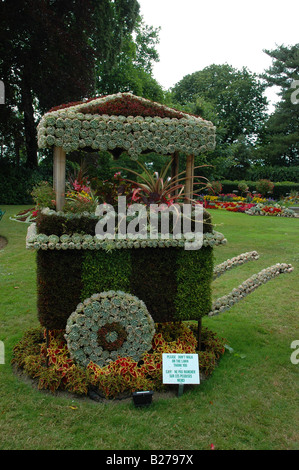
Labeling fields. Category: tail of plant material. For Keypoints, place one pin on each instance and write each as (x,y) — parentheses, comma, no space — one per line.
(234,262)
(227,301)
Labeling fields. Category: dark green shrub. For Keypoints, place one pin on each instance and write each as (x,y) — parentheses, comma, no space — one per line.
(194,278)
(280,189)
(59,285)
(243,187)
(273,173)
(18,182)
(59,225)
(103,271)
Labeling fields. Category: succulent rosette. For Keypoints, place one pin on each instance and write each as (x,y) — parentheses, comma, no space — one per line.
(109,325)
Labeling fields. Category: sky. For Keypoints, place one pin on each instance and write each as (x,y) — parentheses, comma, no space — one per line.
(195,34)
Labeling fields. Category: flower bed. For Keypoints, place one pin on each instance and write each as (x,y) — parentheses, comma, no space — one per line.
(229,206)
(258,206)
(292,200)
(276,210)
(53,368)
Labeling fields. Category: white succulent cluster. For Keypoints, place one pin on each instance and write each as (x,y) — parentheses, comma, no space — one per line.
(258,210)
(89,242)
(112,307)
(72,129)
(234,262)
(227,301)
(68,215)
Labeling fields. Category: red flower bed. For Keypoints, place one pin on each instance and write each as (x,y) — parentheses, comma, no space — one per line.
(272,210)
(229,206)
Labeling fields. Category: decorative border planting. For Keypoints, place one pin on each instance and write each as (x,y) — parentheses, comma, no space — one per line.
(53,369)
(89,242)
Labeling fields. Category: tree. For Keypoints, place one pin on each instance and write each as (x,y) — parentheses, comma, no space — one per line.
(49,54)
(234,101)
(132,71)
(280,145)
(233,97)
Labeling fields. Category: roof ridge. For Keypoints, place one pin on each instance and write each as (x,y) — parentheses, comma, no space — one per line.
(86,105)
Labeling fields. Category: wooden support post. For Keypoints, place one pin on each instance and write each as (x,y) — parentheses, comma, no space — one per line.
(189,177)
(59,176)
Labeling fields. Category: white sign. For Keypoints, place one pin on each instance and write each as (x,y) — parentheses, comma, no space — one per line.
(180,369)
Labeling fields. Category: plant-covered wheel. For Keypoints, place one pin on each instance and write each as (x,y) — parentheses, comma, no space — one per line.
(108,325)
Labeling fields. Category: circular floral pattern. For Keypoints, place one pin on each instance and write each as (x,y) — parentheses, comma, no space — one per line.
(108,325)
(112,336)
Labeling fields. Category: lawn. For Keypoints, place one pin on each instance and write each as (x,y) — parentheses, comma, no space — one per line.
(250,401)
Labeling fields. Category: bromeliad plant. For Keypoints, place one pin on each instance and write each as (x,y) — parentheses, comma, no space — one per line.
(157,192)
(159,188)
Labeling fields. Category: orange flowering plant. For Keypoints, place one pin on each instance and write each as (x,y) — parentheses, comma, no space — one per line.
(45,357)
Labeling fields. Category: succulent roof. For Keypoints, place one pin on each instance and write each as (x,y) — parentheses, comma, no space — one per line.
(124,122)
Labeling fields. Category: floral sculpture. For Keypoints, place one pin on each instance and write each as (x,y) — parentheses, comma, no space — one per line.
(106,297)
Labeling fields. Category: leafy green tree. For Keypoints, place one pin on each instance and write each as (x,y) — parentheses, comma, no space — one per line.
(48,52)
(233,98)
(132,71)
(234,101)
(280,145)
